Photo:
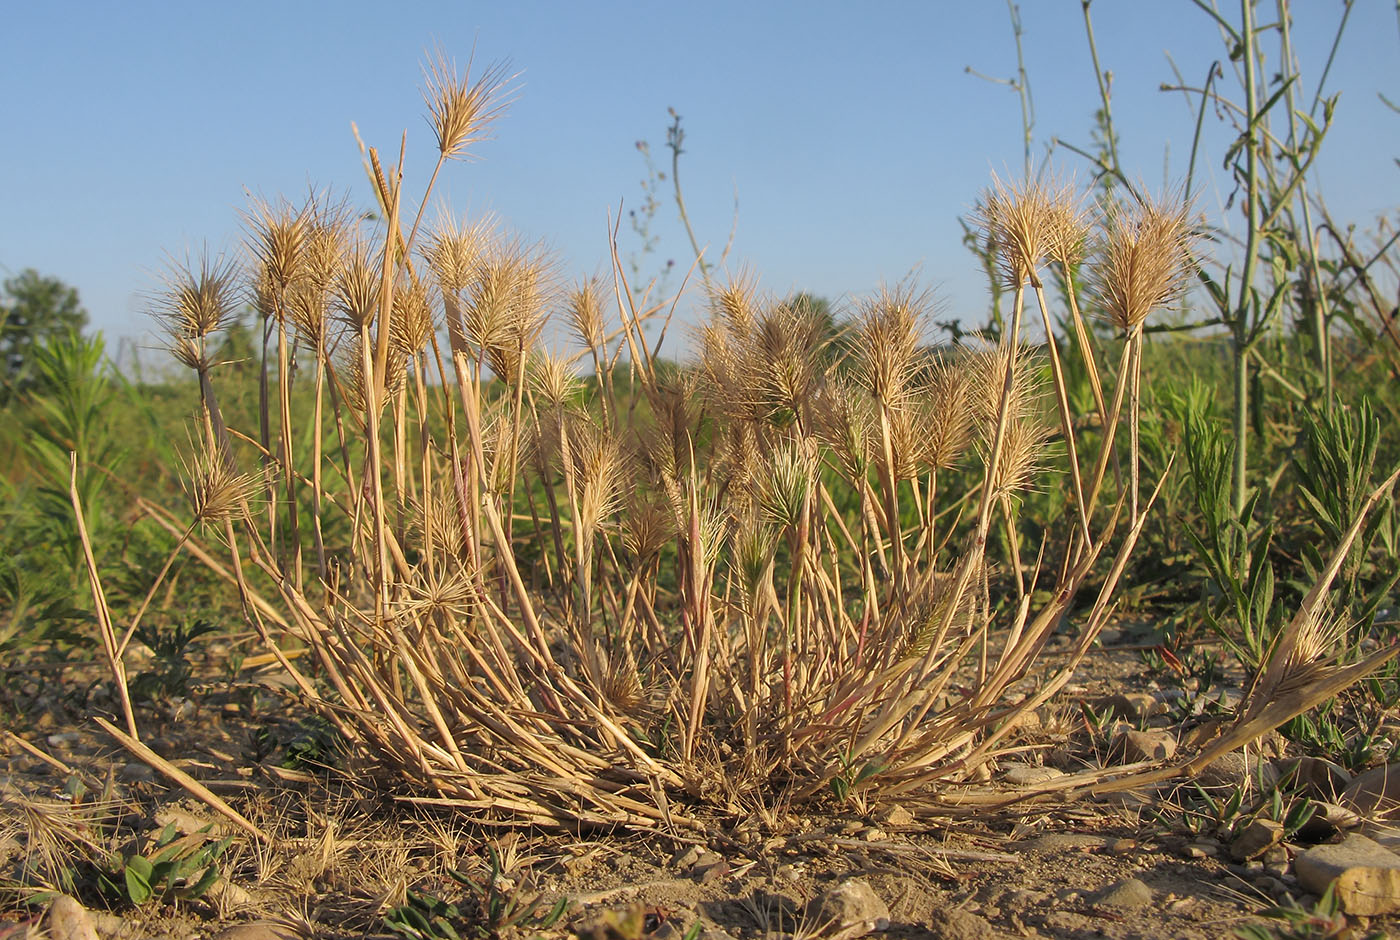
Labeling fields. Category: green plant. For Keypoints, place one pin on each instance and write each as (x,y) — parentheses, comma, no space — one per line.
(493,906)
(1334,475)
(172,671)
(1241,607)
(1323,921)
(1202,812)
(168,867)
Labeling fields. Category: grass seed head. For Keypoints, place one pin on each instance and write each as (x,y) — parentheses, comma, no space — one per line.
(585,306)
(1144,261)
(216,491)
(460,109)
(455,249)
(887,340)
(278,237)
(1019,223)
(356,289)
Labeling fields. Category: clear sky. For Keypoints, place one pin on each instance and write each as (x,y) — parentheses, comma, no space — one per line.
(852,131)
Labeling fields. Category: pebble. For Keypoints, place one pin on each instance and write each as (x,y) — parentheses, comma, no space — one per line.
(1375,794)
(136,773)
(1366,875)
(852,909)
(896,816)
(1135,746)
(1025,775)
(69,920)
(1235,769)
(1256,839)
(64,739)
(252,932)
(1133,706)
(1126,894)
(1200,850)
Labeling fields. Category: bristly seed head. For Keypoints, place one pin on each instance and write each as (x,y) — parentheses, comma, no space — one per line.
(195,305)
(1145,260)
(460,110)
(1018,223)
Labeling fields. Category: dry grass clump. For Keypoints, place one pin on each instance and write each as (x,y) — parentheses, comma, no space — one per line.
(559,599)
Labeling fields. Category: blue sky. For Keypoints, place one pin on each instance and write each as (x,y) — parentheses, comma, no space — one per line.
(852,131)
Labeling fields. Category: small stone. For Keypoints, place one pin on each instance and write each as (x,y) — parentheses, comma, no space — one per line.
(1321,778)
(64,739)
(872,834)
(895,816)
(1375,794)
(963,924)
(850,910)
(69,920)
(686,858)
(253,932)
(1134,706)
(1027,775)
(1367,876)
(1197,850)
(1256,839)
(1135,746)
(1235,769)
(136,773)
(1327,819)
(709,867)
(1125,894)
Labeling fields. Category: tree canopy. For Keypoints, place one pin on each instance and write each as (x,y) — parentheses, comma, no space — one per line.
(33,309)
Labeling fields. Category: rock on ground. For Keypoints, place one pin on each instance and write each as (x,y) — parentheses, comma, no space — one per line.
(1367,876)
(1125,894)
(1374,794)
(1256,839)
(69,920)
(851,909)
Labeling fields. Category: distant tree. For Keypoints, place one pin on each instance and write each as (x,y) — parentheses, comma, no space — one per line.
(33,310)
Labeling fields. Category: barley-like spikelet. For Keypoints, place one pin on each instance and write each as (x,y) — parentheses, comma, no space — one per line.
(214,487)
(506,306)
(349,370)
(554,380)
(846,422)
(1019,222)
(461,110)
(440,595)
(1022,457)
(413,320)
(736,304)
(887,346)
(788,343)
(946,402)
(585,306)
(646,526)
(1070,223)
(1144,262)
(752,545)
(917,625)
(986,370)
(598,469)
(194,305)
(786,488)
(278,237)
(442,518)
(356,289)
(455,250)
